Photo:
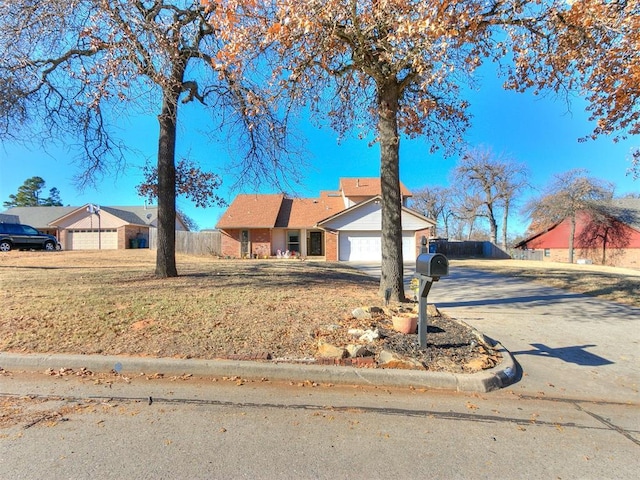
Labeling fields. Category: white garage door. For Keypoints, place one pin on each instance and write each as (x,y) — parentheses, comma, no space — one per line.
(92,239)
(367,246)
(360,246)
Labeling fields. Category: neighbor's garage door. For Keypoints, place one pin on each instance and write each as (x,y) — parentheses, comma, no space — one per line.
(92,239)
(367,246)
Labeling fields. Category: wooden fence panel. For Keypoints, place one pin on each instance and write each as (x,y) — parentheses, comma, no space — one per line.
(466,249)
(457,249)
(192,243)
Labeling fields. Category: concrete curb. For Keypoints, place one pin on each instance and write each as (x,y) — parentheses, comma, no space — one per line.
(484,381)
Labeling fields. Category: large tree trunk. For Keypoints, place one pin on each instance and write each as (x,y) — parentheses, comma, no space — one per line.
(505,218)
(493,225)
(166,253)
(391,269)
(572,235)
(605,237)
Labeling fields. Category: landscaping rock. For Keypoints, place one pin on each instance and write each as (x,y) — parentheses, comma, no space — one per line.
(369,336)
(356,332)
(358,351)
(482,363)
(388,359)
(326,350)
(361,314)
(432,310)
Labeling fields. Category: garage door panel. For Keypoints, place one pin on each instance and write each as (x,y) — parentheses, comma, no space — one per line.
(409,246)
(360,246)
(367,246)
(92,240)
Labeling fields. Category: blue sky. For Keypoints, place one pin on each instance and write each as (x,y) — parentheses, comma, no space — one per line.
(540,132)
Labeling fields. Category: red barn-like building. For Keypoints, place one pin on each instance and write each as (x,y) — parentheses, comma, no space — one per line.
(610,239)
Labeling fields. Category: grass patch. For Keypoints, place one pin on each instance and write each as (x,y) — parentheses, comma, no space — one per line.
(110,303)
(620,285)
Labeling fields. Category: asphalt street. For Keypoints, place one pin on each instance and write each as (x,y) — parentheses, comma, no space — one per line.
(183,428)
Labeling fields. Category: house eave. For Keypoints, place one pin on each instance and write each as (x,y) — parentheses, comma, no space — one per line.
(376,199)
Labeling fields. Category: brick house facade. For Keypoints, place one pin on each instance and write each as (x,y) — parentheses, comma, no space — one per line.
(259,225)
(611,240)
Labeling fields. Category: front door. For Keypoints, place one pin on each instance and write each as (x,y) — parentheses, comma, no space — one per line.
(244,244)
(315,244)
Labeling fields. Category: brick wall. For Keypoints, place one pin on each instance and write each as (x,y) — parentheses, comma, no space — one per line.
(230,243)
(615,257)
(260,242)
(419,234)
(331,246)
(63,239)
(129,232)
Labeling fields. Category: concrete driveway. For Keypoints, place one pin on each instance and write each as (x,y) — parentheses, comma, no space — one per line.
(568,345)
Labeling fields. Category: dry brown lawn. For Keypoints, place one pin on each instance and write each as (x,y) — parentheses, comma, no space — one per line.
(620,285)
(110,303)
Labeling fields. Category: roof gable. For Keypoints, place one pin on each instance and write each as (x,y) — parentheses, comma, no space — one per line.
(366,187)
(307,212)
(252,211)
(625,210)
(39,217)
(134,215)
(42,217)
(367,216)
(143,215)
(277,211)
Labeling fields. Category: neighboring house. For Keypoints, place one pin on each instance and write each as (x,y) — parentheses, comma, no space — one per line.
(610,239)
(344,224)
(90,227)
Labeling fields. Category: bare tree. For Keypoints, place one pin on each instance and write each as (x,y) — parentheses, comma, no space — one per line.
(467,209)
(435,203)
(604,231)
(567,195)
(511,184)
(488,183)
(73,67)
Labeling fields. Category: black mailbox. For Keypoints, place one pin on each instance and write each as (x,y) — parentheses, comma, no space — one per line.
(432,265)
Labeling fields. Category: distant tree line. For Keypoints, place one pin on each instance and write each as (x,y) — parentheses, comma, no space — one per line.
(486,187)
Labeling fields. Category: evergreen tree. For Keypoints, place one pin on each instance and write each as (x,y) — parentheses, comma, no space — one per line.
(29,195)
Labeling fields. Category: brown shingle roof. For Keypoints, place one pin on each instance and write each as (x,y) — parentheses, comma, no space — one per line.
(269,211)
(252,211)
(359,187)
(306,212)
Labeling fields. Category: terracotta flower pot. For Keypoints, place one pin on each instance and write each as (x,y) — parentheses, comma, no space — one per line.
(405,323)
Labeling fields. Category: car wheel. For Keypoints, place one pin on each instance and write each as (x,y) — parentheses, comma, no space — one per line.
(49,246)
(5,246)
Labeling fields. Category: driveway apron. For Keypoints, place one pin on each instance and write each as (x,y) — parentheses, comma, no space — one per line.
(568,345)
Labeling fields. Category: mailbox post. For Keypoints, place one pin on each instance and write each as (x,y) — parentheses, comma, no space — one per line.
(429,268)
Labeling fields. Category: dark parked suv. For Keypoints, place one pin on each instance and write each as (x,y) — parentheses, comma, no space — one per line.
(15,235)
